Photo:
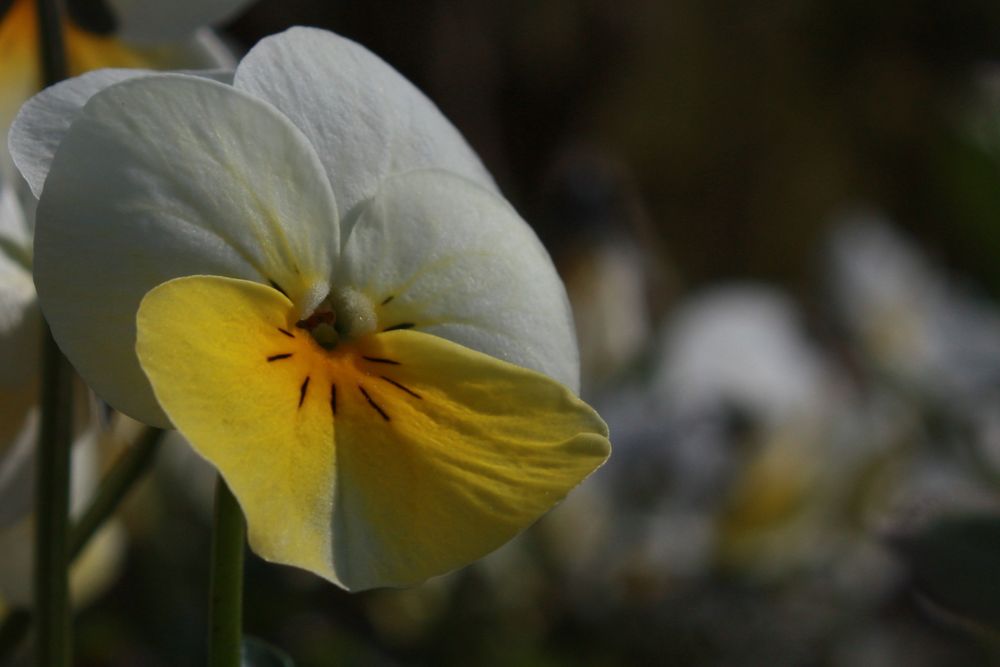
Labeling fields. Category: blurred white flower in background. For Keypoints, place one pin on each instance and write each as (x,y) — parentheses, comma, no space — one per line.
(741,346)
(748,446)
(933,343)
(121,33)
(738,366)
(615,273)
(93,571)
(907,316)
(608,292)
(736,391)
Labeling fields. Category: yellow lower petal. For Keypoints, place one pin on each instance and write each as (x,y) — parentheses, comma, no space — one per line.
(382,462)
(214,350)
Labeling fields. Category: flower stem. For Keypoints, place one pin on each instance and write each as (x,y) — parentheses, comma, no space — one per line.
(128,469)
(52,48)
(51,575)
(226,601)
(54,631)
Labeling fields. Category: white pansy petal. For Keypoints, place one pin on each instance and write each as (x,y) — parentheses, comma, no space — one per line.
(166,176)
(44,119)
(364,118)
(159,21)
(440,254)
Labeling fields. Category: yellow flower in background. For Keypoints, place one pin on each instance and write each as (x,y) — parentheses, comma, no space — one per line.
(309,273)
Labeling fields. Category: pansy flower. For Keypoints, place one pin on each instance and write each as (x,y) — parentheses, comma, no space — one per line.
(309,274)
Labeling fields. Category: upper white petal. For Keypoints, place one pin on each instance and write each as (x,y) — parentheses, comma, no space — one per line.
(43,121)
(458,262)
(166,176)
(365,120)
(159,21)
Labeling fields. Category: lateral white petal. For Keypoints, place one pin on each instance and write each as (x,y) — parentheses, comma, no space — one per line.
(365,120)
(167,176)
(44,119)
(158,21)
(445,256)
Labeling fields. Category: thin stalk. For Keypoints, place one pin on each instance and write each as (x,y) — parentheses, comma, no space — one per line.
(226,597)
(128,469)
(51,574)
(52,606)
(52,47)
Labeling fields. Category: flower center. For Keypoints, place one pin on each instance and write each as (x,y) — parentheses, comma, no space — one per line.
(344,315)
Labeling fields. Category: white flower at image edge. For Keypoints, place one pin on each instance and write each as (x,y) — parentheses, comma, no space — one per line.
(131,33)
(311,276)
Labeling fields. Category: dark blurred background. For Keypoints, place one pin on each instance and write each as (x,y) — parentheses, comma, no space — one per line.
(779,224)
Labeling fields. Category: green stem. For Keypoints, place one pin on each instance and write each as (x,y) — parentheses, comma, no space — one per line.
(52,48)
(54,631)
(127,470)
(226,601)
(51,575)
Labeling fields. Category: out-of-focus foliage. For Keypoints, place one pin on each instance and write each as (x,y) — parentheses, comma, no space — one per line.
(951,563)
(804,395)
